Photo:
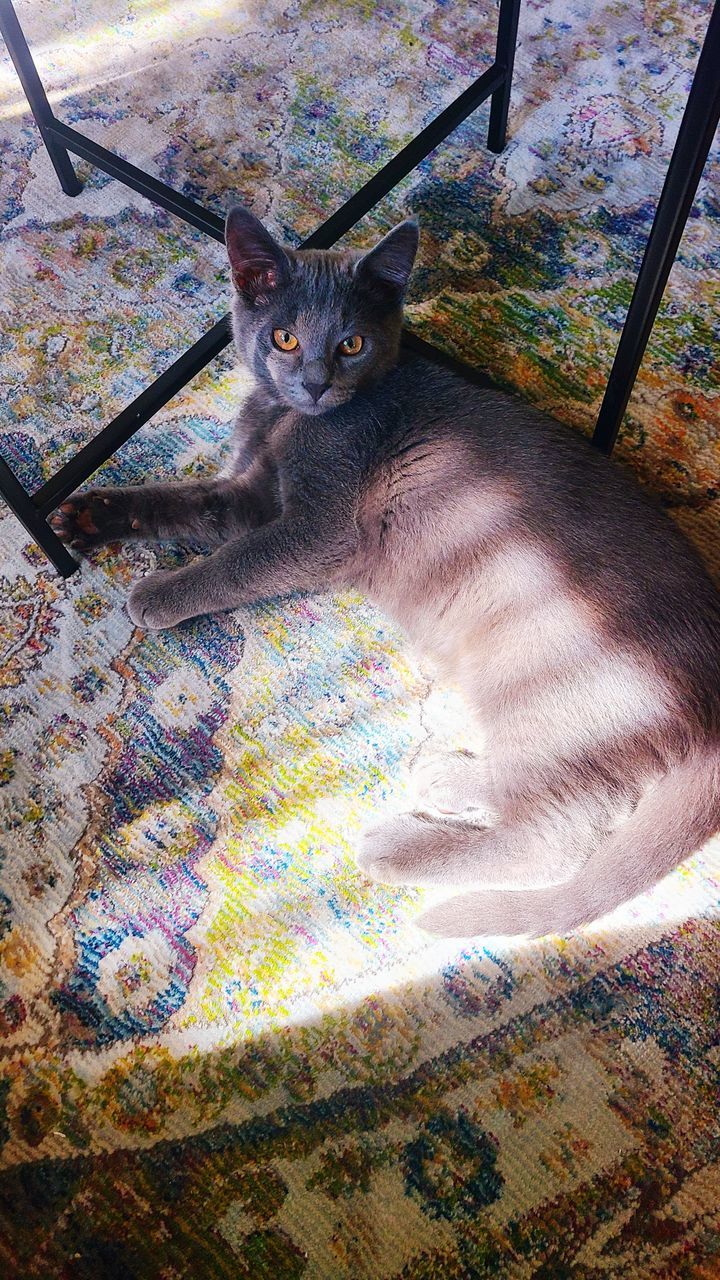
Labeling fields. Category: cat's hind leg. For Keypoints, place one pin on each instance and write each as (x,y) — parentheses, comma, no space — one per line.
(422,850)
(674,816)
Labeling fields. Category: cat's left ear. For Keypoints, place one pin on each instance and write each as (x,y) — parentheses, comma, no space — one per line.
(258,262)
(390,262)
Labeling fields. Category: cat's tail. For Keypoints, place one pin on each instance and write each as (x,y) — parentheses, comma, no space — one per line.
(672,820)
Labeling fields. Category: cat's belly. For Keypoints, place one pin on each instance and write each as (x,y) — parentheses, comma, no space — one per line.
(495,612)
(490,619)
(533,662)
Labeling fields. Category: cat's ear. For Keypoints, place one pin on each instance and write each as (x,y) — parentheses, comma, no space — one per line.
(390,262)
(258,262)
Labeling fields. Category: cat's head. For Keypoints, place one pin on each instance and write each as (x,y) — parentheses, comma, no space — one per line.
(316,324)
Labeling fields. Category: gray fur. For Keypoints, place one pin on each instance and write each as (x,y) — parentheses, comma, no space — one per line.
(581,626)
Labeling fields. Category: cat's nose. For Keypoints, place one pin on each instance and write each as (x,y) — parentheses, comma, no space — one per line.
(316,389)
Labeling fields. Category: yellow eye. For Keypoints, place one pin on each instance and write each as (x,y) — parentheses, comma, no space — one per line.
(352,346)
(285,341)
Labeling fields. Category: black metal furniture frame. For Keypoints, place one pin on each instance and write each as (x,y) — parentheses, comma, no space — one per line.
(693,143)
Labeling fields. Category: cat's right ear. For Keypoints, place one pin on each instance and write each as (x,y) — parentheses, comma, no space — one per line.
(258,262)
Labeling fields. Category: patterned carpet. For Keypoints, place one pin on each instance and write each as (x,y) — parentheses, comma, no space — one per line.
(224,1054)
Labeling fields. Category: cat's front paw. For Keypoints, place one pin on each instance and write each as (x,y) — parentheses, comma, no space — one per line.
(90,519)
(154,602)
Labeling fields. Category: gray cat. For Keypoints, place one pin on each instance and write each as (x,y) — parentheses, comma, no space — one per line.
(580,625)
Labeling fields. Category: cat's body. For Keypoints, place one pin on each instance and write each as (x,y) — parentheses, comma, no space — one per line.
(581,627)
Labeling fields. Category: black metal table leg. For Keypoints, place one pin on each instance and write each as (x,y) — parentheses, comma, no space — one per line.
(20,502)
(37,98)
(504,57)
(60,139)
(694,140)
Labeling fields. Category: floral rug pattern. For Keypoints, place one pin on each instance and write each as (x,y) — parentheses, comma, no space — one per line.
(222,1052)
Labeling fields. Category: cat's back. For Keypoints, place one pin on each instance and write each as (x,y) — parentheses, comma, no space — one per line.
(551,484)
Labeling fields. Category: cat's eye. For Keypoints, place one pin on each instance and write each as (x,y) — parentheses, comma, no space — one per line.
(284,340)
(352,346)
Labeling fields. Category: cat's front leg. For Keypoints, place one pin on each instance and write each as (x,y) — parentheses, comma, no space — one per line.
(277,559)
(165,598)
(204,510)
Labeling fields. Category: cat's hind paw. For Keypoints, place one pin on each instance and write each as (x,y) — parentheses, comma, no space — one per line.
(411,849)
(382,854)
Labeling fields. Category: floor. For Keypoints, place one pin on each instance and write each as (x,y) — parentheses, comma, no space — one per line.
(223,1052)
